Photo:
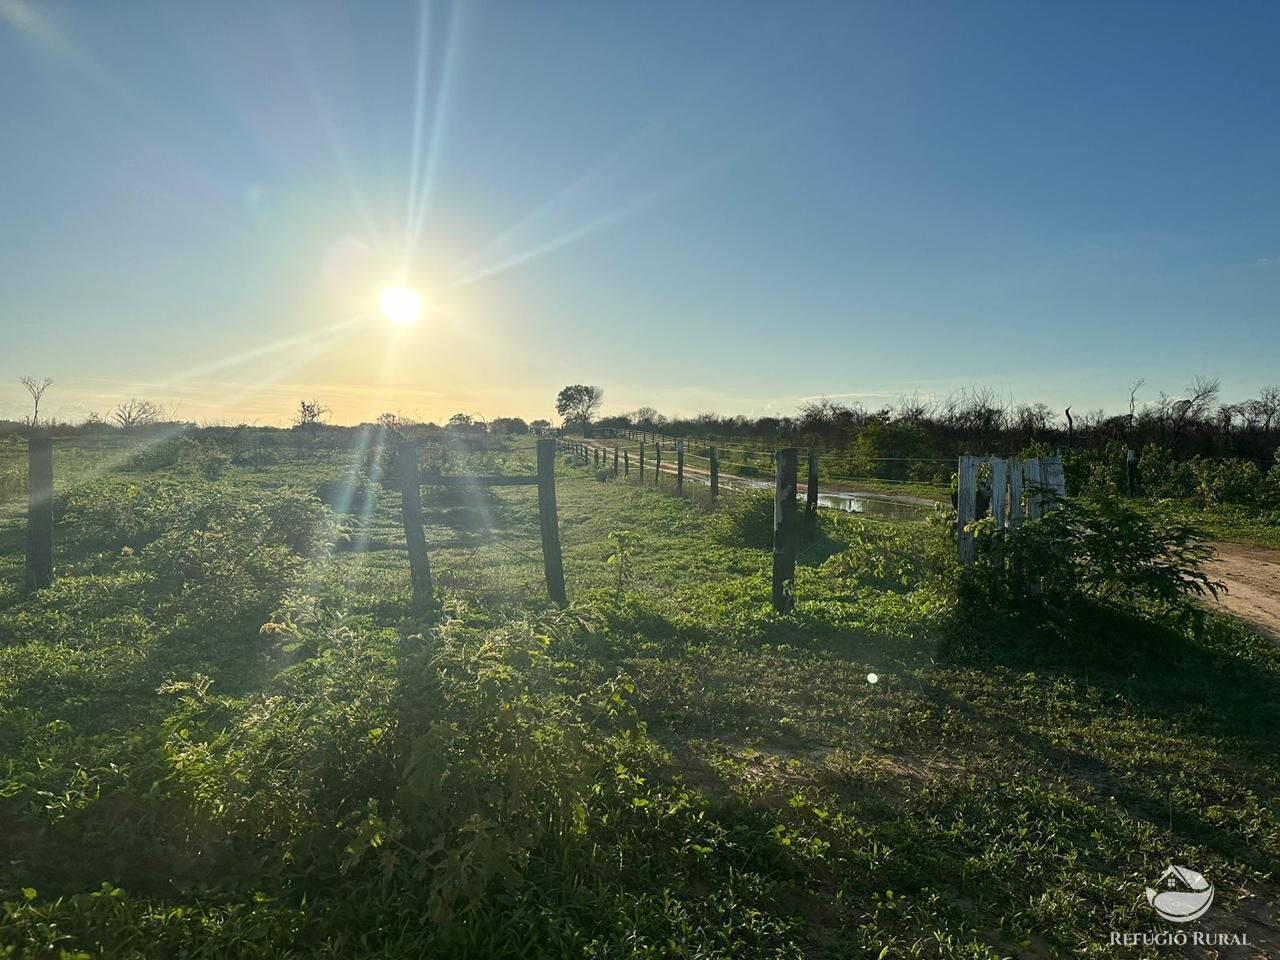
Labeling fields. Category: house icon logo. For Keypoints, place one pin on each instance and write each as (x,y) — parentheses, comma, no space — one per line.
(1180,895)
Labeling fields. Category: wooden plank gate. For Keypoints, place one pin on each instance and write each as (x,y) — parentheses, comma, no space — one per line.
(1038,479)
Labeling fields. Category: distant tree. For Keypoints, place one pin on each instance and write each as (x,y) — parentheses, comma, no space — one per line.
(579,403)
(311,414)
(136,413)
(36,387)
(646,417)
(1264,412)
(393,421)
(1133,399)
(461,421)
(508,426)
(537,426)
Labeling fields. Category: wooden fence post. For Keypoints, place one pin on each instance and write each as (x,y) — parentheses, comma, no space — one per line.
(967,508)
(552,560)
(784,530)
(1130,470)
(415,536)
(39,511)
(615,461)
(642,461)
(626,464)
(657,463)
(595,452)
(811,491)
(715,473)
(680,466)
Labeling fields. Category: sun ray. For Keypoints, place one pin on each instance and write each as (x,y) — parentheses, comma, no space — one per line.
(427,174)
(419,119)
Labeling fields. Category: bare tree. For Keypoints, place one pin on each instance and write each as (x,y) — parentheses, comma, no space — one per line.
(136,413)
(311,414)
(1265,410)
(36,387)
(1133,398)
(912,409)
(646,417)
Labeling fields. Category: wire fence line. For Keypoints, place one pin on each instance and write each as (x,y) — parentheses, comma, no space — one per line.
(726,465)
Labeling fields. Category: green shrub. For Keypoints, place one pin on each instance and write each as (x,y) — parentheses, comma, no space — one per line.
(1093,473)
(744,518)
(1102,549)
(1162,476)
(1219,482)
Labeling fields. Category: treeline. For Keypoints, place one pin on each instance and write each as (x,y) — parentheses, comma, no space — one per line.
(459,425)
(976,421)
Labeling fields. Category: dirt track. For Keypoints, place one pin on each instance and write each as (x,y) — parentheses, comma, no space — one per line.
(1252,575)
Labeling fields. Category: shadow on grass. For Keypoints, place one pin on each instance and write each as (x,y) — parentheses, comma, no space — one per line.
(1215,683)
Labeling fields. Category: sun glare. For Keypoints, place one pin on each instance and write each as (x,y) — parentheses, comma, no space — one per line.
(399,304)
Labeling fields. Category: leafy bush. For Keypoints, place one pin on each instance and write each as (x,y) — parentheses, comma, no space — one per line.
(890,557)
(744,518)
(218,552)
(1270,495)
(1102,549)
(1092,473)
(1220,482)
(451,772)
(1161,475)
(114,512)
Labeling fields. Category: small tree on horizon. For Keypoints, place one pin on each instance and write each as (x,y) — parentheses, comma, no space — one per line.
(311,414)
(36,387)
(579,403)
(136,413)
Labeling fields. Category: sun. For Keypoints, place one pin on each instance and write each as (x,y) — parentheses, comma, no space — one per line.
(399,304)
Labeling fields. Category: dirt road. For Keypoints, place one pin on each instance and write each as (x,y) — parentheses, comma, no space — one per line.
(1252,576)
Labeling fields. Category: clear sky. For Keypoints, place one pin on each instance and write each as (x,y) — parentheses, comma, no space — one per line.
(698,206)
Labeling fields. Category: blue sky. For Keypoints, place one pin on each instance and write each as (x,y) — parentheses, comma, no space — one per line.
(703,206)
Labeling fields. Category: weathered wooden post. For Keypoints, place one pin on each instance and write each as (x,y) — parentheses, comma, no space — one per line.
(552,560)
(967,508)
(39,511)
(626,464)
(680,466)
(642,461)
(595,453)
(657,463)
(811,490)
(715,473)
(1130,470)
(415,536)
(784,530)
(615,461)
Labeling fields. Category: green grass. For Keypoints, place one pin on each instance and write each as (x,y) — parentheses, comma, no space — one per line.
(667,769)
(1224,522)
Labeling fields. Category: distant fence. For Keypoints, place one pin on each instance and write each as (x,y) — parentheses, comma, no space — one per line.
(786,524)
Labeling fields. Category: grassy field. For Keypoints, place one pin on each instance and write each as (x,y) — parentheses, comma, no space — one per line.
(225,733)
